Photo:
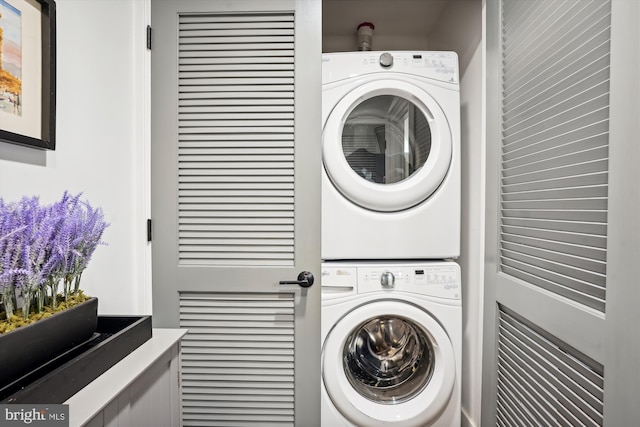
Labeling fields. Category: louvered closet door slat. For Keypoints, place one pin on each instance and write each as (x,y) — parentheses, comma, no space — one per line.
(213,155)
(521,14)
(272,20)
(548,152)
(228,38)
(202,85)
(588,253)
(190,92)
(577,65)
(565,385)
(560,22)
(280,150)
(550,51)
(519,271)
(582,115)
(238,100)
(554,108)
(540,375)
(198,73)
(198,62)
(558,193)
(234,121)
(248,53)
(574,121)
(583,215)
(201,215)
(595,179)
(559,257)
(237,29)
(206,111)
(591,240)
(533,30)
(572,136)
(194,132)
(580,281)
(587,77)
(555,146)
(237,358)
(233,24)
(580,168)
(198,220)
(205,204)
(235,148)
(529,396)
(577,204)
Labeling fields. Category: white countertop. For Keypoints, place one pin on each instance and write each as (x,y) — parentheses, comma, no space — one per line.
(88,402)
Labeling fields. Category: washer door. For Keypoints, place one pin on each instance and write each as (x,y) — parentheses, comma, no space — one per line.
(387,145)
(388,362)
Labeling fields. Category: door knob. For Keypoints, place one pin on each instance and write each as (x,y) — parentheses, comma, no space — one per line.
(305,280)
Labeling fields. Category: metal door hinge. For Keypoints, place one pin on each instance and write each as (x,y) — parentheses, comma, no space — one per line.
(149,230)
(149,37)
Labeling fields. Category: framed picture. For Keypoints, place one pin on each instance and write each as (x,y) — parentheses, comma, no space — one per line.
(28,72)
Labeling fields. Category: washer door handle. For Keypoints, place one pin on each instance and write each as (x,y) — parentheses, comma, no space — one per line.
(305,280)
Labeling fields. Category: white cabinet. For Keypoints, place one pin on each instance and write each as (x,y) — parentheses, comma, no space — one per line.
(143,389)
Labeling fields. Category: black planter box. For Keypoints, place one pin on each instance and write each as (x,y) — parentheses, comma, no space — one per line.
(26,348)
(55,382)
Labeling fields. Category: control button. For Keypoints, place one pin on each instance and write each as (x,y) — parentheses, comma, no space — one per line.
(387,280)
(386,60)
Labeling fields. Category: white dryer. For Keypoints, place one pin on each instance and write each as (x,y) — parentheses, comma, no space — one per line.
(391,344)
(391,155)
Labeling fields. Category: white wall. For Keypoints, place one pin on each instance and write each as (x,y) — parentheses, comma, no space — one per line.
(101,143)
(460,29)
(399,25)
(347,43)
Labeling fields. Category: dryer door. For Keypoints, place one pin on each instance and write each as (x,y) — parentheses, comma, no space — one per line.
(387,145)
(387,363)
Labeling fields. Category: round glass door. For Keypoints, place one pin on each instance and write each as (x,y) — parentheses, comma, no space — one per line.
(386,139)
(388,363)
(386,145)
(388,359)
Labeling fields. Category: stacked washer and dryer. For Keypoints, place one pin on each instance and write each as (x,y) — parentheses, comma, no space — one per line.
(391,293)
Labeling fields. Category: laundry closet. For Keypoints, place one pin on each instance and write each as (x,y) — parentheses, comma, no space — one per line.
(435,25)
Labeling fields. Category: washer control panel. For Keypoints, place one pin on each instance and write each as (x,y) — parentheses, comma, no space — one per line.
(442,280)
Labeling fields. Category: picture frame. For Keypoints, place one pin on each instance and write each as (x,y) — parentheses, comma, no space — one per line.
(28,109)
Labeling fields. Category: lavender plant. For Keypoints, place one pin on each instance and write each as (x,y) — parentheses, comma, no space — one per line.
(42,246)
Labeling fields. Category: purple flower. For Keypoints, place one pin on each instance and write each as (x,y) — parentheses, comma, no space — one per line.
(43,245)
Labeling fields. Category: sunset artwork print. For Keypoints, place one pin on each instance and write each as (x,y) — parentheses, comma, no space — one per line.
(10,59)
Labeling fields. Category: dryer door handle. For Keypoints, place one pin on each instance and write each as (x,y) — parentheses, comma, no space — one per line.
(305,280)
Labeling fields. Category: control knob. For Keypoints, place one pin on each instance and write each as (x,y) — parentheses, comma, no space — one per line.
(386,60)
(387,280)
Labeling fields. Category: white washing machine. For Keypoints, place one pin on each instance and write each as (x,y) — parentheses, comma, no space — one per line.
(391,155)
(391,344)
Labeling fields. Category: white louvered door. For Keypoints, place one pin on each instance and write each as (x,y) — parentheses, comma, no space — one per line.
(236,202)
(561,340)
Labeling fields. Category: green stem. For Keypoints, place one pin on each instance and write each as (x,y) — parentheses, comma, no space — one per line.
(67,287)
(77,283)
(7,300)
(26,304)
(40,298)
(53,284)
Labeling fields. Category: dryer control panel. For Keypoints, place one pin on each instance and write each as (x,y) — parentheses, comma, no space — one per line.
(436,65)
